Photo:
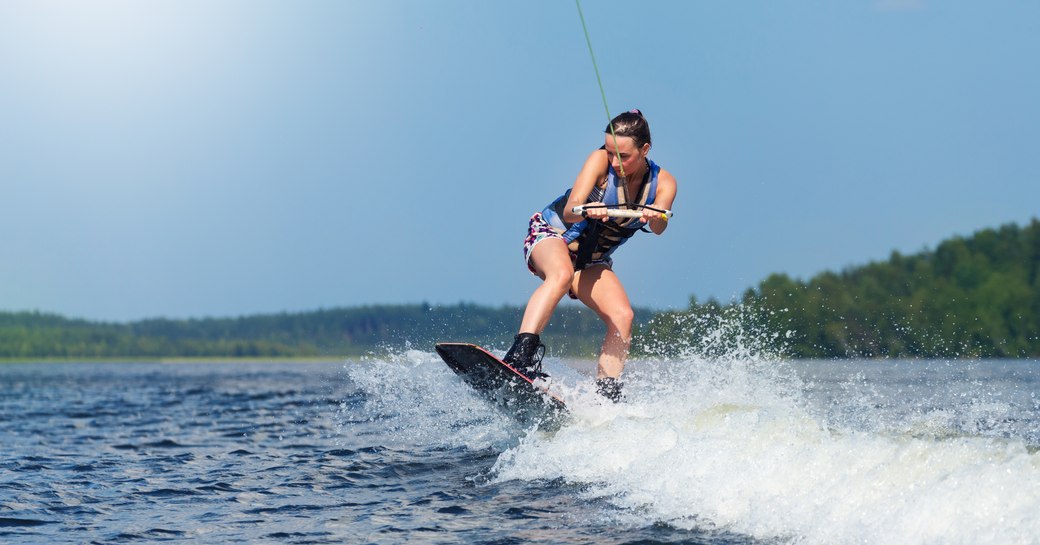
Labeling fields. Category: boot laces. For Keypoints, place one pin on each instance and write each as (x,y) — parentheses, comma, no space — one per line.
(535,371)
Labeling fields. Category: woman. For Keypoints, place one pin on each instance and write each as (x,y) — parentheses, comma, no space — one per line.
(571,253)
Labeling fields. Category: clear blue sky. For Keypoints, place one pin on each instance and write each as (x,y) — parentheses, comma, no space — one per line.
(198,158)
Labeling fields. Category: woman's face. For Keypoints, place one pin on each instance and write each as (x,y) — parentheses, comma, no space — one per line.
(631,156)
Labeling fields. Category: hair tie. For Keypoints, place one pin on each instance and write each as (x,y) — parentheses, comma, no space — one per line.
(635,111)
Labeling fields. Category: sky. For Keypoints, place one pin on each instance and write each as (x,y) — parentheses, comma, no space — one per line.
(194,158)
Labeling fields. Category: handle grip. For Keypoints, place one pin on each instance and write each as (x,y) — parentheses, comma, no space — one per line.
(616,213)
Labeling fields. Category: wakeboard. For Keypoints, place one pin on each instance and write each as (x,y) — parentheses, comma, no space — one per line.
(528,401)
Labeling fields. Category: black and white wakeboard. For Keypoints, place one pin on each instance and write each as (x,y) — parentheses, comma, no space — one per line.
(530,402)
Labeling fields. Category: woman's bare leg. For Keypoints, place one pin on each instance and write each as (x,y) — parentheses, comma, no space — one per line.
(551,259)
(601,290)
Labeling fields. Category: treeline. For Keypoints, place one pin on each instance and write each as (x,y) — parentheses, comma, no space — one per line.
(338,332)
(975,296)
(970,297)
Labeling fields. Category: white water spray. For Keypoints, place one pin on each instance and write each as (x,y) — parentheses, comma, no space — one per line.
(733,441)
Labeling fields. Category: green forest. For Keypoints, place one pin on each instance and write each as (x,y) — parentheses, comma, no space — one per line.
(319,334)
(976,296)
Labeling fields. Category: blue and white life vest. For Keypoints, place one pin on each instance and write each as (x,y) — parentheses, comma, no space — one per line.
(610,234)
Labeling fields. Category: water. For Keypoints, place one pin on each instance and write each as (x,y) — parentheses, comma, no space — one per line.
(394,449)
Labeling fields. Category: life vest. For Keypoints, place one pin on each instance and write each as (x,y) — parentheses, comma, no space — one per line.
(594,241)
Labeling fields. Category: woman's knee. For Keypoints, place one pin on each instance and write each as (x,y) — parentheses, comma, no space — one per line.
(559,279)
(620,320)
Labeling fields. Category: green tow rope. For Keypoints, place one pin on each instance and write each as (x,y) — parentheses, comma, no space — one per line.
(610,120)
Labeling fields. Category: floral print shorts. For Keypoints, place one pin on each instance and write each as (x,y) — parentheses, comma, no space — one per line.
(538,230)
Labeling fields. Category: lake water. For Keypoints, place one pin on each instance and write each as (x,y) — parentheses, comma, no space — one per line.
(396,449)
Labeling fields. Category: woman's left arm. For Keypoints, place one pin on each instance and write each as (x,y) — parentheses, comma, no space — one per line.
(663,200)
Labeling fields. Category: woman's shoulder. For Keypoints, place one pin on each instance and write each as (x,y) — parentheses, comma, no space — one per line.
(664,176)
(597,160)
(599,153)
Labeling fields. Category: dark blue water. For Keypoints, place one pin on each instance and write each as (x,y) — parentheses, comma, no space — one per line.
(224,453)
(396,449)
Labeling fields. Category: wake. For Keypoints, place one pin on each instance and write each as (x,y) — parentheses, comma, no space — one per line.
(722,434)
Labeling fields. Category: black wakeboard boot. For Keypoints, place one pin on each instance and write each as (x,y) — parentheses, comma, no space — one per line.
(610,388)
(526,355)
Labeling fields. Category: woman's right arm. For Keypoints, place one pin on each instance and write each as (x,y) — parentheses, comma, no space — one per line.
(590,175)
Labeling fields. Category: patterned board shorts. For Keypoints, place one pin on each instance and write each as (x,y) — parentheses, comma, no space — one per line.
(538,230)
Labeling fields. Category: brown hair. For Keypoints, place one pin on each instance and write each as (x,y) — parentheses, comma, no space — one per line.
(631,124)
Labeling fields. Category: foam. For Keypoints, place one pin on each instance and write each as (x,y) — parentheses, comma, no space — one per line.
(738,442)
(414,399)
(733,444)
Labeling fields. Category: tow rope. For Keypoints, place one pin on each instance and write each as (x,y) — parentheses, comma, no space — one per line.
(599,81)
